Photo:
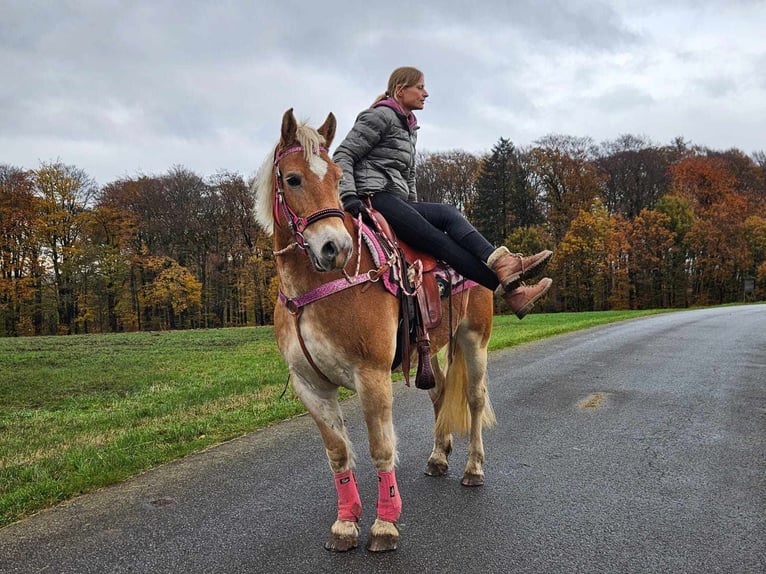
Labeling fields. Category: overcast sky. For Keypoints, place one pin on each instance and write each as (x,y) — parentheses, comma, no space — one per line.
(123,88)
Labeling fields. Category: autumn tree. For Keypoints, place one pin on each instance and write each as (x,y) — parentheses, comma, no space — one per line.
(113,302)
(718,255)
(564,176)
(122,220)
(265,279)
(20,266)
(675,279)
(590,267)
(637,174)
(750,177)
(240,281)
(651,241)
(66,193)
(171,296)
(175,216)
(632,224)
(447,177)
(755,234)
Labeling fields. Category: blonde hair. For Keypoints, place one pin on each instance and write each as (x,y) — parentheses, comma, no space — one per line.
(403,77)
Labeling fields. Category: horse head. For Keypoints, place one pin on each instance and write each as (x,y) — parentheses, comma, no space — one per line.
(297,196)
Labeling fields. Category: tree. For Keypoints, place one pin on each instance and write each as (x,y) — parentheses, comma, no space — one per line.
(121,222)
(718,255)
(590,269)
(66,192)
(20,269)
(651,241)
(755,234)
(176,216)
(235,280)
(675,278)
(564,177)
(172,293)
(636,174)
(750,177)
(504,199)
(447,177)
(112,233)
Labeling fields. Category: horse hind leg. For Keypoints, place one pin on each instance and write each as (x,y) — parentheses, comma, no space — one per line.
(438,461)
(323,406)
(463,407)
(481,412)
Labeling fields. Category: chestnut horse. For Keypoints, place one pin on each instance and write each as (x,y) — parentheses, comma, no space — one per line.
(336,326)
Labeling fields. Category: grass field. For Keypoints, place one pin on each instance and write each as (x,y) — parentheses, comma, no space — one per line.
(81,412)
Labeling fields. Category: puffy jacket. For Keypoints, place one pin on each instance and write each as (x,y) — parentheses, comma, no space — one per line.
(378,154)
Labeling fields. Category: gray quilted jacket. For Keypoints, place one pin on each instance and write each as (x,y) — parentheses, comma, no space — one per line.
(378,154)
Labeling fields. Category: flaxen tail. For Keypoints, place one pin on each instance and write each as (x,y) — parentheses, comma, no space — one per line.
(455,414)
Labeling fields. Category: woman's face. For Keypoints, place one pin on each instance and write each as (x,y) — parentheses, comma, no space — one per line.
(413,97)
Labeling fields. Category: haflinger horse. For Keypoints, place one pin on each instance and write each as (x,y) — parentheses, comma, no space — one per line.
(336,326)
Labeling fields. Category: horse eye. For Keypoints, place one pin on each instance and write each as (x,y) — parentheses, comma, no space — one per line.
(293,180)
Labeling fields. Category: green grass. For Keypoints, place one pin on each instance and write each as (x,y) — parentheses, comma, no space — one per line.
(81,412)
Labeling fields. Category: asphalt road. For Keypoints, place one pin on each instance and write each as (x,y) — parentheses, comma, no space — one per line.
(634,447)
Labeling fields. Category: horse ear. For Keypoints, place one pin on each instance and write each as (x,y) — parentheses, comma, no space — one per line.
(328,130)
(289,127)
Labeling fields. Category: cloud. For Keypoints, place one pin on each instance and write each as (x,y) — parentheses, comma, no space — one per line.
(117,88)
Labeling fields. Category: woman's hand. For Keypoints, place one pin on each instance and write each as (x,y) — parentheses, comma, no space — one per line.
(353,205)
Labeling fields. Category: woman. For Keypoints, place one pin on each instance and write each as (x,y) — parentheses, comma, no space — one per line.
(378,162)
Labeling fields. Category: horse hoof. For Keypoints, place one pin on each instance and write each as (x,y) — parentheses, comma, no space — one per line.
(384,536)
(436,468)
(472,479)
(344,536)
(340,543)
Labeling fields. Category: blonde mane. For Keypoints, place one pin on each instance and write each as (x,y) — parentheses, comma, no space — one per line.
(263,185)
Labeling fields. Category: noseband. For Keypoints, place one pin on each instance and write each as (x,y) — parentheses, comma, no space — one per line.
(296,224)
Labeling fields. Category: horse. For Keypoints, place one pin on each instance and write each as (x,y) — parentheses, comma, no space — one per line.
(336,326)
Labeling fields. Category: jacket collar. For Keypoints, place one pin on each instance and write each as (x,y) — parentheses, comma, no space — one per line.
(412,121)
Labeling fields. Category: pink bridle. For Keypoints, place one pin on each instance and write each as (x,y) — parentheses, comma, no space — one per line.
(296,223)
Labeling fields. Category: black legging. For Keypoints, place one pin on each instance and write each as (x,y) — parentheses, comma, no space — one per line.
(440,230)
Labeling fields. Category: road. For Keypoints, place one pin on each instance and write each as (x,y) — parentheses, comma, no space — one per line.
(633,447)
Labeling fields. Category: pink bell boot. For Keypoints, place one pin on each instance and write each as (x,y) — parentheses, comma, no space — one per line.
(513,268)
(522,299)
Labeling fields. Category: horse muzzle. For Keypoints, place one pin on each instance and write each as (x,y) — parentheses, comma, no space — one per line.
(328,249)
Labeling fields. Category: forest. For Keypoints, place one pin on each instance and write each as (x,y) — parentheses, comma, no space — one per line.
(633,225)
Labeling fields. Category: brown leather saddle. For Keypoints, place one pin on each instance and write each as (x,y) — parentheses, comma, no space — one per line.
(421,295)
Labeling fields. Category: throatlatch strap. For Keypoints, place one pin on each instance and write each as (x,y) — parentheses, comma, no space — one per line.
(349,503)
(389,501)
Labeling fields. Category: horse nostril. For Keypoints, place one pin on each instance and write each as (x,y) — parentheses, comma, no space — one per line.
(329,251)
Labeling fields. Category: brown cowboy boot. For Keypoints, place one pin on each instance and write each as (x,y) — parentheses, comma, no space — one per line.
(522,299)
(513,268)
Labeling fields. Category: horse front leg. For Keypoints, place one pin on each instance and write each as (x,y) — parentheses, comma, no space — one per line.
(376,397)
(322,404)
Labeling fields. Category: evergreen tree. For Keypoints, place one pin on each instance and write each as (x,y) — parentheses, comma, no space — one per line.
(504,199)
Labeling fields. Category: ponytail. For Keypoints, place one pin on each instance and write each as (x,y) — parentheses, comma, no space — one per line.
(400,78)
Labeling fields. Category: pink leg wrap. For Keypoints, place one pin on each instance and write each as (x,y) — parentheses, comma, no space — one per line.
(389,501)
(349,503)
